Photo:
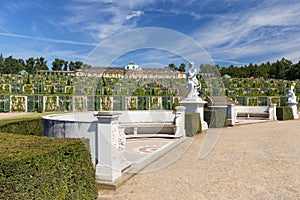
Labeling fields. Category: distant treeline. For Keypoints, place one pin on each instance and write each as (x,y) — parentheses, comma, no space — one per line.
(11,65)
(281,69)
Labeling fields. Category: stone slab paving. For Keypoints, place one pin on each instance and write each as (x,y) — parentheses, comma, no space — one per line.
(254,161)
(137,150)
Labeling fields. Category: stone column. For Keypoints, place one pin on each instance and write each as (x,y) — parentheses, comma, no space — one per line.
(109,163)
(272,112)
(231,115)
(180,121)
(195,104)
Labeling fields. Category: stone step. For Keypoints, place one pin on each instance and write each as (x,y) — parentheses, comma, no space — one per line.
(219,101)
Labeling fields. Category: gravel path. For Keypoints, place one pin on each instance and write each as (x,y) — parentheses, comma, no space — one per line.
(257,161)
(12,114)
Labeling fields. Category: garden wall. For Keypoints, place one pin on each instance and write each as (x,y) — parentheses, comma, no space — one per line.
(50,103)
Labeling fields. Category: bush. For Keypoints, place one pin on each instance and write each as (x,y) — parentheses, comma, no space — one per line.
(34,167)
(284,113)
(192,124)
(215,118)
(22,126)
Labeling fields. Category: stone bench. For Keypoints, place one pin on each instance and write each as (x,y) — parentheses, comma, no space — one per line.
(268,112)
(153,123)
(252,111)
(262,112)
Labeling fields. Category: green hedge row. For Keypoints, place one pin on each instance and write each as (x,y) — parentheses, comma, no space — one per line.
(192,124)
(284,113)
(34,167)
(31,126)
(215,118)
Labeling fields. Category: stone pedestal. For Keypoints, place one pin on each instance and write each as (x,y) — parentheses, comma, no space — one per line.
(272,112)
(231,115)
(195,104)
(110,162)
(180,121)
(293,106)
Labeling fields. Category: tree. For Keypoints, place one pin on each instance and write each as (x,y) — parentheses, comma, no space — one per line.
(181,67)
(281,67)
(65,66)
(29,66)
(71,66)
(294,72)
(41,64)
(1,63)
(21,64)
(172,66)
(57,64)
(12,65)
(78,65)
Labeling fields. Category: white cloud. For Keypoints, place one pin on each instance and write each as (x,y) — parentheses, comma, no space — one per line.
(137,13)
(269,28)
(47,39)
(141,40)
(103,18)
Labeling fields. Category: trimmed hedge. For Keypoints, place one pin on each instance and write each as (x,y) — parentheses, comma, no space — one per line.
(284,113)
(192,124)
(30,126)
(34,167)
(215,118)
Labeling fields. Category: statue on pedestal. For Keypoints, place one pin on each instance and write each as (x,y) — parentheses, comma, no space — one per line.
(291,95)
(292,101)
(192,82)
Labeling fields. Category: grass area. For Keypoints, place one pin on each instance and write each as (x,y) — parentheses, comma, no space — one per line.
(13,144)
(28,124)
(33,115)
(35,167)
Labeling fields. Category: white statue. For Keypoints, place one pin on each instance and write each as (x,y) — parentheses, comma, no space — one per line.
(192,81)
(291,95)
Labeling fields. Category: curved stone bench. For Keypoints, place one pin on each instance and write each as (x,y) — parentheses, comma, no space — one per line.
(155,123)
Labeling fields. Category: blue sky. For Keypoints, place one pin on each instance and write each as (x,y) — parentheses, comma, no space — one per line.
(230,31)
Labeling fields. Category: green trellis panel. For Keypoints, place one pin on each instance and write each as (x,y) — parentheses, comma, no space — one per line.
(6,103)
(119,103)
(61,103)
(252,101)
(242,100)
(97,103)
(1,103)
(155,103)
(166,103)
(263,101)
(283,101)
(90,103)
(275,100)
(40,103)
(143,103)
(30,103)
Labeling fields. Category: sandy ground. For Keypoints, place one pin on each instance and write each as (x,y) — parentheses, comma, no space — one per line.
(257,161)
(13,114)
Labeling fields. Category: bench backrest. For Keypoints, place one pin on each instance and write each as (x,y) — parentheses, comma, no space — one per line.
(251,109)
(138,116)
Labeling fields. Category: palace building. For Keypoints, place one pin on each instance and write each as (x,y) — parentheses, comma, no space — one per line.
(132,71)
